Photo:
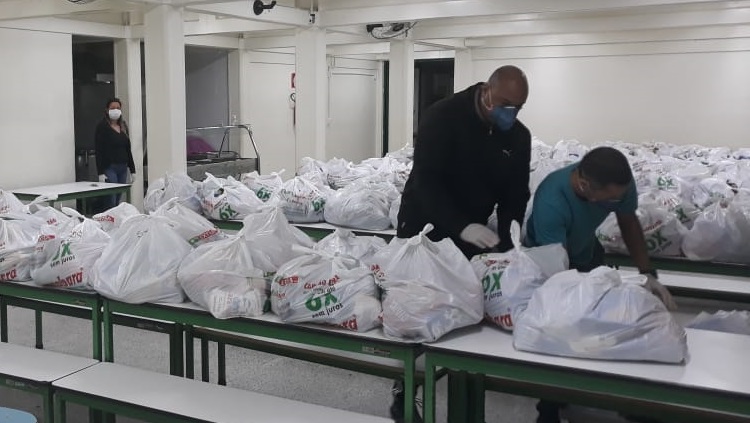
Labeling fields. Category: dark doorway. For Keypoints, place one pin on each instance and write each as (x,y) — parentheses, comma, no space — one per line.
(433,81)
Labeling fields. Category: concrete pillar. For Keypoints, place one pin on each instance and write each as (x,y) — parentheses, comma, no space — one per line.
(312,93)
(128,89)
(400,94)
(463,74)
(165,87)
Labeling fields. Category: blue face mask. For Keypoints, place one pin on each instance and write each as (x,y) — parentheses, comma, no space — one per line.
(504,116)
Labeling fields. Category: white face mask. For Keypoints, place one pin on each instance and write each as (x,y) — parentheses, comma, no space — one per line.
(114,114)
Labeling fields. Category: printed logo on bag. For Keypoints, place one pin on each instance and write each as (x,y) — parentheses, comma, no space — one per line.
(377,271)
(105,218)
(656,242)
(51,221)
(288,281)
(491,285)
(665,183)
(318,204)
(64,255)
(45,238)
(315,304)
(681,215)
(263,193)
(503,321)
(226,212)
(71,280)
(329,282)
(8,276)
(350,324)
(204,236)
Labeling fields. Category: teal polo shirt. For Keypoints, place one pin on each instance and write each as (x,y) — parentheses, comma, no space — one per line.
(560,216)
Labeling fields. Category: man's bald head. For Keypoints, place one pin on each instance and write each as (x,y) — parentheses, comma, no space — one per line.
(508,86)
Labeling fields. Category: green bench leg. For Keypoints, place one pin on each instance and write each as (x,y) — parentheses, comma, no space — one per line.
(222,365)
(3,320)
(60,415)
(96,330)
(176,363)
(410,386)
(428,391)
(204,360)
(189,353)
(38,325)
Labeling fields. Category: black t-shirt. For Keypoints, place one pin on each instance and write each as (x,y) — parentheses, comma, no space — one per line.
(463,166)
(112,147)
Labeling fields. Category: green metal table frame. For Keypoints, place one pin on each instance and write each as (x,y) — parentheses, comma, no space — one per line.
(111,407)
(477,374)
(684,265)
(84,305)
(44,389)
(83,195)
(191,318)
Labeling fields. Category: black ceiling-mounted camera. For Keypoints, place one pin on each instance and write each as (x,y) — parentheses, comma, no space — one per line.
(259,6)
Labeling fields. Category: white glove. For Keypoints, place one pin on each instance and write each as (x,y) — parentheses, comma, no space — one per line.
(480,235)
(653,285)
(102,178)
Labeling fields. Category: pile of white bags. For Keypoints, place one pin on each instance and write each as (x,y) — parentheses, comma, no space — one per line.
(309,166)
(66,260)
(662,229)
(721,233)
(341,173)
(264,186)
(302,201)
(113,218)
(9,203)
(140,264)
(393,212)
(322,288)
(723,321)
(429,288)
(17,242)
(361,206)
(172,185)
(345,242)
(404,154)
(597,315)
(194,228)
(227,199)
(222,278)
(685,211)
(273,241)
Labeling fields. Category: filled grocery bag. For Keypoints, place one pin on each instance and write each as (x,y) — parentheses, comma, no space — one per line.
(264,186)
(597,315)
(393,212)
(734,321)
(489,270)
(227,199)
(172,185)
(222,278)
(194,228)
(429,288)
(272,239)
(341,172)
(9,203)
(322,288)
(17,242)
(112,219)
(662,229)
(140,264)
(720,233)
(65,258)
(302,201)
(347,243)
(360,206)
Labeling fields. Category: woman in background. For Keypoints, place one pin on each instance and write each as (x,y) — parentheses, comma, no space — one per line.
(114,156)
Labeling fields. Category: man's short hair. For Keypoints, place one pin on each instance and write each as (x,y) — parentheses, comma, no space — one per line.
(604,166)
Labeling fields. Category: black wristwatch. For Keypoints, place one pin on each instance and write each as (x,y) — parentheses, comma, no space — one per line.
(651,272)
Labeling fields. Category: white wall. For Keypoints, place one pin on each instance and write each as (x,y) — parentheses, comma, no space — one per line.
(36,109)
(206,92)
(352,119)
(681,92)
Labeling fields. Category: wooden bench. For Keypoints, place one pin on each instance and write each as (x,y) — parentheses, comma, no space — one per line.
(33,370)
(155,397)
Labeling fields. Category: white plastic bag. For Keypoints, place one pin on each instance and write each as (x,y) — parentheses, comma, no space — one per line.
(685,211)
(662,229)
(341,173)
(528,270)
(404,154)
(67,260)
(322,288)
(272,238)
(345,242)
(310,166)
(9,203)
(429,288)
(359,206)
(222,278)
(17,243)
(172,185)
(302,201)
(720,233)
(393,212)
(227,199)
(723,321)
(140,263)
(264,186)
(489,269)
(113,218)
(194,228)
(597,316)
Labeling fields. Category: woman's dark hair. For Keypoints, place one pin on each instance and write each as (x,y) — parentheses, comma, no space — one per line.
(604,166)
(113,100)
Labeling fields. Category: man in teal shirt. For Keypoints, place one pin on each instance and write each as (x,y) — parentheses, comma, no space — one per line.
(568,207)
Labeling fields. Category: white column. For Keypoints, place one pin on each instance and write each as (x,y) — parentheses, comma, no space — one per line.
(311,93)
(400,94)
(463,72)
(128,89)
(165,90)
